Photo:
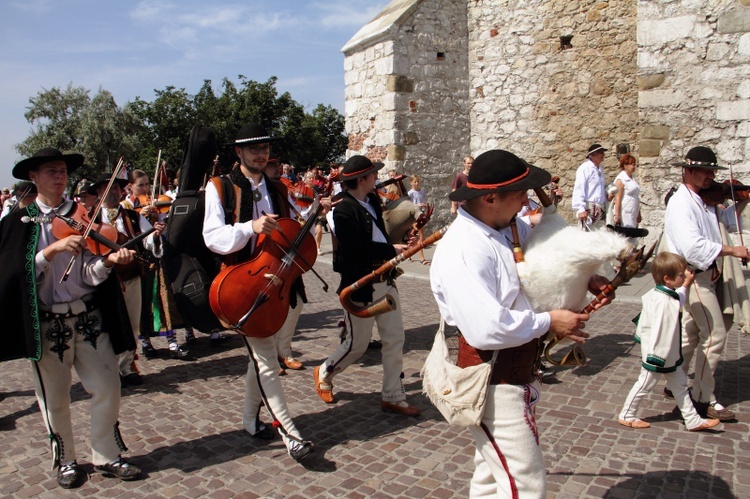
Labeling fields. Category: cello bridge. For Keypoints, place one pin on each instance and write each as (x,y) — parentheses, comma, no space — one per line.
(275,280)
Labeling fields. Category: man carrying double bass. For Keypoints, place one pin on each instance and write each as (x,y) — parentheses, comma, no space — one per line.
(234,236)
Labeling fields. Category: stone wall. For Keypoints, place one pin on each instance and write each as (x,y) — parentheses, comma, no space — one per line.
(694,89)
(545,102)
(451,78)
(407,99)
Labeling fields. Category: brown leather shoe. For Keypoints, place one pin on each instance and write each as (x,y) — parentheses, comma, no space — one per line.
(636,423)
(282,372)
(324,389)
(408,410)
(708,424)
(720,414)
(291,363)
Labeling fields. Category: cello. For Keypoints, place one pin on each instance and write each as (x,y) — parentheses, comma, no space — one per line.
(261,287)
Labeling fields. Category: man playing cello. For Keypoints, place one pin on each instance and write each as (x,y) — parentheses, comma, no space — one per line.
(261,202)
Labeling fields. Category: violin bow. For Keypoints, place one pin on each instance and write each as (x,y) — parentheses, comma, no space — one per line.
(97,210)
(736,215)
(157,177)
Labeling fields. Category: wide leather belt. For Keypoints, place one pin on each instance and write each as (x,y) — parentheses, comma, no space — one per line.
(71,309)
(513,366)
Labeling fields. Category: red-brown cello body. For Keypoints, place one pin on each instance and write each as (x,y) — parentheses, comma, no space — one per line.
(253,297)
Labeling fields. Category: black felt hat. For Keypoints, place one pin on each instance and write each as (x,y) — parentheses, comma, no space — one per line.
(700,157)
(500,171)
(253,134)
(22,169)
(103,179)
(595,148)
(359,166)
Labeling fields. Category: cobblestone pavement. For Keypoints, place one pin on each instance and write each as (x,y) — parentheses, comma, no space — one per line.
(183,426)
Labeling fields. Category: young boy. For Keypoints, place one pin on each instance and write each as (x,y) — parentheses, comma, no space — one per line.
(659,334)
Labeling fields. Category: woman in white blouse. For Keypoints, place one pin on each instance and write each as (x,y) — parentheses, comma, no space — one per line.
(627,205)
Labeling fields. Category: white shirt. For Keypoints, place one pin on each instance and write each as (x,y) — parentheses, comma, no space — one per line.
(88,270)
(475,283)
(223,238)
(115,218)
(692,228)
(588,187)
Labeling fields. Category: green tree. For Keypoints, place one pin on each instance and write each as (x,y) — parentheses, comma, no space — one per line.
(56,116)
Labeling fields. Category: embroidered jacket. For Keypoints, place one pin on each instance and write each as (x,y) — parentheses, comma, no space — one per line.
(659,331)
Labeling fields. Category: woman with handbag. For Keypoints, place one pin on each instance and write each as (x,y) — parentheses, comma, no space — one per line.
(474,280)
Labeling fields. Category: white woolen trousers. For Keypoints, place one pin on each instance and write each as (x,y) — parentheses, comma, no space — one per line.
(263,386)
(509,462)
(358,334)
(97,370)
(131,293)
(704,334)
(677,383)
(284,335)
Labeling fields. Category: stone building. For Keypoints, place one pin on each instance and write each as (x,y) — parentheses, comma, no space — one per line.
(430,81)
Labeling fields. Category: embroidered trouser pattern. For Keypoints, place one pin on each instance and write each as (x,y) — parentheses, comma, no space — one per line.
(263,386)
(97,369)
(508,459)
(704,333)
(358,334)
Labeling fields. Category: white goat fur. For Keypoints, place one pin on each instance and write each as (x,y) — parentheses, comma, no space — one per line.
(560,259)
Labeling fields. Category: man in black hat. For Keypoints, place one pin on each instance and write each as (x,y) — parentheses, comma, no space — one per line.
(233,236)
(129,224)
(363,246)
(589,197)
(24,193)
(61,322)
(475,283)
(692,231)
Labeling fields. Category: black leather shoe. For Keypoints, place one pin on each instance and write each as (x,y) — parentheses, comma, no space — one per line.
(218,340)
(300,452)
(374,345)
(132,379)
(120,469)
(179,353)
(265,432)
(149,351)
(70,476)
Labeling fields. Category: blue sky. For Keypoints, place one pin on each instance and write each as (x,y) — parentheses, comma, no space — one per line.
(131,48)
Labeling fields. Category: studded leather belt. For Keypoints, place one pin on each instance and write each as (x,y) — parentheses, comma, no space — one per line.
(90,303)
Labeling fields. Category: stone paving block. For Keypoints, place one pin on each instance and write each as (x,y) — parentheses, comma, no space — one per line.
(184,426)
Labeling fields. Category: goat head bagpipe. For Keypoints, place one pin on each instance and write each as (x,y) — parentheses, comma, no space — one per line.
(558,262)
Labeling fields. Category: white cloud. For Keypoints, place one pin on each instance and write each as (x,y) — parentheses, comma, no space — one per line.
(347,15)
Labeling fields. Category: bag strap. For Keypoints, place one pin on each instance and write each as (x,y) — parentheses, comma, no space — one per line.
(441,331)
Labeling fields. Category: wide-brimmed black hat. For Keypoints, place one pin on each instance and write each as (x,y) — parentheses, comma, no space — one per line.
(24,187)
(500,171)
(253,134)
(22,169)
(700,157)
(359,166)
(595,148)
(103,179)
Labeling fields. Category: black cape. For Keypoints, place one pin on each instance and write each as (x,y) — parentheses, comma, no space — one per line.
(19,307)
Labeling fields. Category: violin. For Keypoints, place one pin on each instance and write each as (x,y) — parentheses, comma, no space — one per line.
(160,206)
(73,218)
(718,192)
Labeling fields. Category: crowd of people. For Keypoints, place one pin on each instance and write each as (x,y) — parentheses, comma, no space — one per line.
(88,309)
